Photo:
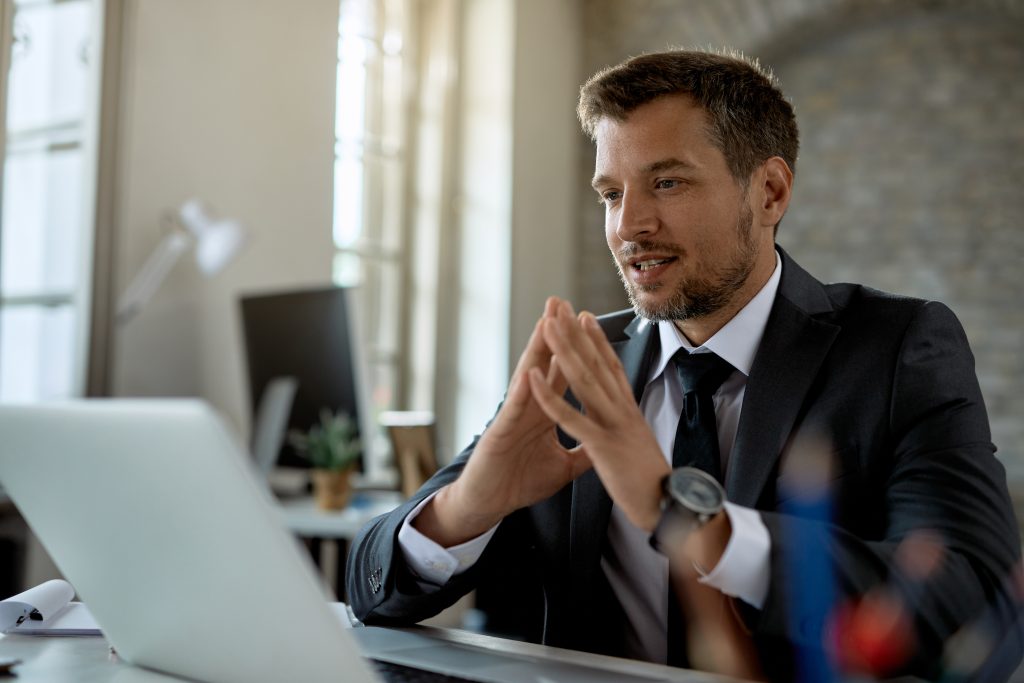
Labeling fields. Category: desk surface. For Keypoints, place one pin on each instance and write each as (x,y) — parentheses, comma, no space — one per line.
(88,659)
(304,519)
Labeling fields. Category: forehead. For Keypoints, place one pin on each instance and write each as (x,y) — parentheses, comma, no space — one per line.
(669,126)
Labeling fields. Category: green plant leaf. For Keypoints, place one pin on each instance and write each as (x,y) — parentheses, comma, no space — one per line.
(333,444)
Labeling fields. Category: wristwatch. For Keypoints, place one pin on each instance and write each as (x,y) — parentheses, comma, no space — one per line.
(690,498)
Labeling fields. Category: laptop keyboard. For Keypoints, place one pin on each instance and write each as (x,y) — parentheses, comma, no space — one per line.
(397,673)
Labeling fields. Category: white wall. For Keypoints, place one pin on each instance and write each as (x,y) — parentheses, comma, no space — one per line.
(231,101)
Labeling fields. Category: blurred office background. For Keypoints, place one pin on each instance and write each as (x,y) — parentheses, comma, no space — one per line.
(427,152)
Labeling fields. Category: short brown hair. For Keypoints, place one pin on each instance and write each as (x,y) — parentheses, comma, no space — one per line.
(750,120)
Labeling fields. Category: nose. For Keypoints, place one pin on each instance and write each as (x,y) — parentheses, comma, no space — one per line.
(634,217)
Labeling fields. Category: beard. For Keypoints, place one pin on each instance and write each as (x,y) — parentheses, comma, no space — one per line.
(698,296)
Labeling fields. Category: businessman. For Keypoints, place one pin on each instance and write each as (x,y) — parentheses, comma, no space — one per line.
(645,465)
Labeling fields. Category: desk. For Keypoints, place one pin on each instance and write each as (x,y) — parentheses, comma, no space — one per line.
(305,520)
(88,660)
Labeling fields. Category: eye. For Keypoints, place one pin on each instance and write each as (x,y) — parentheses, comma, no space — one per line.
(609,197)
(667,183)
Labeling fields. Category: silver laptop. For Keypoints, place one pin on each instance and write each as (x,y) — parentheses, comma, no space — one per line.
(152,511)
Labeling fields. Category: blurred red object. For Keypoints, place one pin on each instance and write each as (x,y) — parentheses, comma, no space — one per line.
(873,636)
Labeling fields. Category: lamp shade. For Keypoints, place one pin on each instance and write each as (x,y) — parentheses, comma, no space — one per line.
(217,241)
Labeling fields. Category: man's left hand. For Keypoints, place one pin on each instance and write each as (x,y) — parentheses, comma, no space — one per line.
(612,431)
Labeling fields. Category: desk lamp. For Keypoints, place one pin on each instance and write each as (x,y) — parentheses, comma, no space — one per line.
(216,243)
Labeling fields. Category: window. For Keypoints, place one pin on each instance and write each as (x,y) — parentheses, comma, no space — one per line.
(48,198)
(370,181)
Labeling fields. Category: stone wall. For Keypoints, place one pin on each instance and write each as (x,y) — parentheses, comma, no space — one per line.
(912,120)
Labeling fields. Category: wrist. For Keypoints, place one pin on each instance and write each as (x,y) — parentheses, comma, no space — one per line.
(691,500)
(706,545)
(655,508)
(449,521)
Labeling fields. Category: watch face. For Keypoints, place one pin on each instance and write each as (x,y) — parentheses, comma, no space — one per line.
(697,490)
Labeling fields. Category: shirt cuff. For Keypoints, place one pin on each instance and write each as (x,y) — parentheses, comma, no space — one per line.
(431,563)
(743,571)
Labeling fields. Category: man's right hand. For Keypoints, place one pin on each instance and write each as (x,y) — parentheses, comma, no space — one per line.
(517,462)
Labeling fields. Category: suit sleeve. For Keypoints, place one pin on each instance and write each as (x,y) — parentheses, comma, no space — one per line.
(380,587)
(943,480)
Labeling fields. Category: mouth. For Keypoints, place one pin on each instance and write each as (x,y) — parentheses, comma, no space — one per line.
(647,264)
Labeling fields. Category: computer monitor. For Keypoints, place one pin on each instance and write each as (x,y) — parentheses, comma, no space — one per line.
(309,335)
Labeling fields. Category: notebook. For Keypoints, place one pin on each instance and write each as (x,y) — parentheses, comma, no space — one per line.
(47,610)
(152,510)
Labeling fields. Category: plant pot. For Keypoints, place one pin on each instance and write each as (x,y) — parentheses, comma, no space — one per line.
(332,489)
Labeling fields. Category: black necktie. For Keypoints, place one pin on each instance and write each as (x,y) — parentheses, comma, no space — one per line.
(696,445)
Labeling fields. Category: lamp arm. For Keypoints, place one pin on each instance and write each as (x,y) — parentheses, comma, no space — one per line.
(149,278)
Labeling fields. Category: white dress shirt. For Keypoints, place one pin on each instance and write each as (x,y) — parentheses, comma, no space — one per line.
(636,572)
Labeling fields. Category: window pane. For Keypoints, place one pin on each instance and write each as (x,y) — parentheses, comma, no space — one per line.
(383,217)
(36,352)
(41,221)
(49,65)
(348,201)
(350,111)
(357,18)
(347,271)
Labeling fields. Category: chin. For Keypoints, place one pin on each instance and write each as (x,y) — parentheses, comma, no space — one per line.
(647,304)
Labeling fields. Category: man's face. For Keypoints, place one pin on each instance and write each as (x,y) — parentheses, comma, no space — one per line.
(679,226)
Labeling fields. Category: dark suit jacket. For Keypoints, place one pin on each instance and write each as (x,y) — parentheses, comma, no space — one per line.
(888,380)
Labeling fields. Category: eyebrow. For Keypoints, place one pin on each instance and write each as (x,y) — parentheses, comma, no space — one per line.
(654,167)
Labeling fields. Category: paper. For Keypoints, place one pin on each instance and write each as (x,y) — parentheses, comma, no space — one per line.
(47,610)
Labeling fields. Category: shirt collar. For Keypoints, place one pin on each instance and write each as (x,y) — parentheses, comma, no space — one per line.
(736,342)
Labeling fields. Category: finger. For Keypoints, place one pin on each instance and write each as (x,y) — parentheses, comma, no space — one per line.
(607,353)
(572,422)
(580,363)
(537,353)
(577,373)
(581,461)
(556,379)
(592,347)
(515,400)
(566,307)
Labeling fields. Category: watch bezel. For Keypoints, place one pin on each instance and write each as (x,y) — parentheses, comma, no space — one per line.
(678,484)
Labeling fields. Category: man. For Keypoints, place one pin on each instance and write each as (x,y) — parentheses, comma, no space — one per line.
(694,166)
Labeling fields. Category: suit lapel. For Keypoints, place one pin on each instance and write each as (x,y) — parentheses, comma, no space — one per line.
(636,345)
(792,350)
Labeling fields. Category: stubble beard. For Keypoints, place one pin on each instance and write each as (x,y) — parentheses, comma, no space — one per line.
(698,297)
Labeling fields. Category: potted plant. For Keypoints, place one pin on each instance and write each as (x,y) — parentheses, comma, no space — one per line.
(333,448)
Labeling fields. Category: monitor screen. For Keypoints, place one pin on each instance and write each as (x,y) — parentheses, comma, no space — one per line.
(308,335)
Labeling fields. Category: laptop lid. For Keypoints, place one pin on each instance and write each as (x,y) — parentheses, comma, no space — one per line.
(151,510)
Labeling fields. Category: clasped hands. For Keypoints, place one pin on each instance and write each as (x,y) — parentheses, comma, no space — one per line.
(519,461)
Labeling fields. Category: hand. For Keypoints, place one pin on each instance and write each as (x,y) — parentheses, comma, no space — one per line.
(517,462)
(612,431)
(717,640)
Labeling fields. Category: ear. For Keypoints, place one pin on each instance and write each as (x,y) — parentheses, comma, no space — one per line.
(773,186)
